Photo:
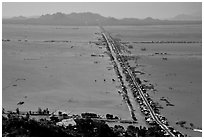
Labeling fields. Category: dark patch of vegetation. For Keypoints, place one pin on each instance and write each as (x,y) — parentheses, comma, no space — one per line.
(143,49)
(130,46)
(6,40)
(93,128)
(16,126)
(167,101)
(23,127)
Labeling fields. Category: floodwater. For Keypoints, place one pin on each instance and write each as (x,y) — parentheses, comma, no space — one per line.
(52,67)
(178,77)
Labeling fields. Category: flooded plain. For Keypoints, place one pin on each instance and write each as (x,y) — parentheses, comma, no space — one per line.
(171,59)
(54,67)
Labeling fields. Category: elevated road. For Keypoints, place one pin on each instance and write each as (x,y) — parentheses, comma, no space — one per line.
(114,48)
(129,104)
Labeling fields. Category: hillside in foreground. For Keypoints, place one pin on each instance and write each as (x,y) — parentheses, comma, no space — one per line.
(18,126)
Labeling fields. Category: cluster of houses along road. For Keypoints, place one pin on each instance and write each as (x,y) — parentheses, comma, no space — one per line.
(147,106)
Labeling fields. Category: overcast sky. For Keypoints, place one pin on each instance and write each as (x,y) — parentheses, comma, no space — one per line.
(115,9)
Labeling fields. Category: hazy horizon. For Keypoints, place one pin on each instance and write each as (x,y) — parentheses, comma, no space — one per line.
(107,9)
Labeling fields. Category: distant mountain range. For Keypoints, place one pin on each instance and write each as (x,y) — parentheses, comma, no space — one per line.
(196,17)
(89,19)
